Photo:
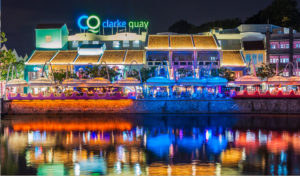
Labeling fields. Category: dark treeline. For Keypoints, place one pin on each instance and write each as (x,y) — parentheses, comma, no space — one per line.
(279,12)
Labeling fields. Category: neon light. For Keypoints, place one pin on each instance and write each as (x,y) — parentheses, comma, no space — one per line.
(114,24)
(138,24)
(80,24)
(88,22)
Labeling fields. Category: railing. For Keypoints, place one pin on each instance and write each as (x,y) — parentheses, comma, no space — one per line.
(74,96)
(267,94)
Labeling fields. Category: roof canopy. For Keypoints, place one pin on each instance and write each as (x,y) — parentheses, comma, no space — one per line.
(277,80)
(97,82)
(17,83)
(159,81)
(294,80)
(247,80)
(41,82)
(178,42)
(40,57)
(232,59)
(72,82)
(217,81)
(129,81)
(191,81)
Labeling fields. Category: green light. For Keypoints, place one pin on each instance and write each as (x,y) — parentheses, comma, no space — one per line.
(93,26)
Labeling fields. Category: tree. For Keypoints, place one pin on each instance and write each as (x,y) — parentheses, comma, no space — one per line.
(147,73)
(280,12)
(182,27)
(265,71)
(7,58)
(227,73)
(225,24)
(101,71)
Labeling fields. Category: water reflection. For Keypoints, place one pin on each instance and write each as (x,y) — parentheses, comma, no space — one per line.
(150,145)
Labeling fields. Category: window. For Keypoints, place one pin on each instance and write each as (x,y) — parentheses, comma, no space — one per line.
(85,42)
(96,42)
(284,60)
(207,63)
(190,63)
(126,43)
(248,58)
(273,60)
(260,58)
(281,45)
(201,63)
(75,44)
(287,45)
(116,44)
(48,38)
(136,44)
(175,63)
(215,63)
(164,63)
(297,45)
(273,46)
(213,58)
(254,58)
(182,63)
(150,63)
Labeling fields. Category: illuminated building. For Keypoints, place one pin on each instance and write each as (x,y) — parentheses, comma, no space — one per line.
(195,53)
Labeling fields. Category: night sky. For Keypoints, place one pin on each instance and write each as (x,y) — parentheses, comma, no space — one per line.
(19,17)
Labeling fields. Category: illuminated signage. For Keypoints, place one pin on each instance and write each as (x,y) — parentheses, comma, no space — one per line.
(92,23)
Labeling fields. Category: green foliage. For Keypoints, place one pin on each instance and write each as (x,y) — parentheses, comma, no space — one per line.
(183,26)
(265,71)
(227,73)
(101,71)
(280,12)
(3,38)
(147,73)
(61,75)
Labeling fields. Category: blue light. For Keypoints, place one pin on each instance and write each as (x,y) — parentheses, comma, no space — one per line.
(82,17)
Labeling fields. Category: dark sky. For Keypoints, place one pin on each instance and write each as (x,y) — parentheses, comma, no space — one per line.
(19,17)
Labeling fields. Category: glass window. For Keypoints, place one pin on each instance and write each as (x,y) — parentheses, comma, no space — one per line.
(201,63)
(190,63)
(136,44)
(126,43)
(215,63)
(260,58)
(157,63)
(207,63)
(85,42)
(254,58)
(96,42)
(182,63)
(273,60)
(213,58)
(248,58)
(175,63)
(281,45)
(150,63)
(273,46)
(284,60)
(287,45)
(116,44)
(75,44)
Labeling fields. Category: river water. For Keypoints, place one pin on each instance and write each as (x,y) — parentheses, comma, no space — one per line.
(186,144)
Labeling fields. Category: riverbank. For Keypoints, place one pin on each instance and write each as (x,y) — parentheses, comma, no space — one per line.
(152,106)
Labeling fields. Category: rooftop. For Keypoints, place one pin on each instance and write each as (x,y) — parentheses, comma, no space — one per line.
(113,57)
(41,57)
(50,26)
(135,57)
(232,59)
(87,59)
(204,42)
(64,57)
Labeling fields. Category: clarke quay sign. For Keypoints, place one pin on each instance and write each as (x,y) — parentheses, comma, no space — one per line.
(93,23)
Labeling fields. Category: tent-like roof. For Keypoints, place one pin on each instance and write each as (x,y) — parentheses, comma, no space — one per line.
(247,80)
(232,59)
(294,80)
(158,42)
(129,81)
(114,57)
(17,83)
(159,81)
(217,81)
(191,81)
(93,59)
(181,42)
(72,82)
(40,57)
(204,42)
(97,82)
(41,82)
(277,80)
(135,57)
(64,57)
